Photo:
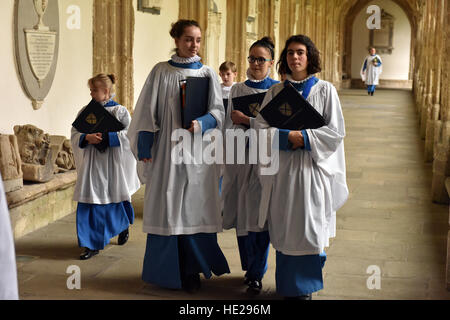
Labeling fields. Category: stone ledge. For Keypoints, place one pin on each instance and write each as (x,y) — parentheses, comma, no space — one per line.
(33,191)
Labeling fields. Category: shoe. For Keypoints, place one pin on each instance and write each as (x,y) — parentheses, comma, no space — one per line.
(191,283)
(368,93)
(246,280)
(304,297)
(371,93)
(123,237)
(254,287)
(88,253)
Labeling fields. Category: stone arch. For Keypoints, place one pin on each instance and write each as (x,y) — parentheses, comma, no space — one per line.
(350,11)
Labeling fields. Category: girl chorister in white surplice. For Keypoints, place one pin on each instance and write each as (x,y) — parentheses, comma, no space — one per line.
(182,205)
(301,199)
(241,190)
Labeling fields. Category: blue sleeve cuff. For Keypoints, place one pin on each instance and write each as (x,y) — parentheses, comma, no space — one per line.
(306,140)
(145,143)
(83,143)
(207,122)
(113,139)
(284,143)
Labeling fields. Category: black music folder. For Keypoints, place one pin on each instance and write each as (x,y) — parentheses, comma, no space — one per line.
(250,104)
(289,110)
(95,118)
(225,105)
(194,99)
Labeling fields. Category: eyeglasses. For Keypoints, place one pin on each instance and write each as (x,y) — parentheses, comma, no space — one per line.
(259,60)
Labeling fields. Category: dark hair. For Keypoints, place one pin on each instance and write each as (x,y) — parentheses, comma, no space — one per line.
(112,77)
(312,54)
(267,43)
(178,27)
(227,65)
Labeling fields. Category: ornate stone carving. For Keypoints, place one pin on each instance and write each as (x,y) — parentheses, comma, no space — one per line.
(64,159)
(10,163)
(35,152)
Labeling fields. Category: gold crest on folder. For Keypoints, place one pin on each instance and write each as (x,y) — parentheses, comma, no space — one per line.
(285,109)
(91,119)
(254,108)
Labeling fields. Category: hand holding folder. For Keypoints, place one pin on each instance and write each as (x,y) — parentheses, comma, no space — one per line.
(194,96)
(96,119)
(249,105)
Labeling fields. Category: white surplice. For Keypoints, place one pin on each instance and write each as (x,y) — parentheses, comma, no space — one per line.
(371,75)
(8,271)
(241,189)
(300,201)
(105,177)
(179,198)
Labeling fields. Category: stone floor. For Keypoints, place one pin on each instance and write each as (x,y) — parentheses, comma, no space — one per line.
(389,224)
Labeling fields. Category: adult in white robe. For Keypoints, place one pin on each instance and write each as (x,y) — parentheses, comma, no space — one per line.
(371,70)
(182,205)
(8,272)
(105,183)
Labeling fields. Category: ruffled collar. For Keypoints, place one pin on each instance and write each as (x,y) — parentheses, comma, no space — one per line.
(186,63)
(110,102)
(180,60)
(289,77)
(250,78)
(304,85)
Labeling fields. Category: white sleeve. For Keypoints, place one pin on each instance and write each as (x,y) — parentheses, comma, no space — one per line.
(325,140)
(146,117)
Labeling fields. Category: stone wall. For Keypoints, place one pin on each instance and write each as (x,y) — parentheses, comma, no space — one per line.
(431,91)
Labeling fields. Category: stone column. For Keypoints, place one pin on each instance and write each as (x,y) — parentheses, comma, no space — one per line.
(433,109)
(113,45)
(213,31)
(441,162)
(237,35)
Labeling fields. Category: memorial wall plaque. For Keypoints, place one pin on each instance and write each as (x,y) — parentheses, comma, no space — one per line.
(36,35)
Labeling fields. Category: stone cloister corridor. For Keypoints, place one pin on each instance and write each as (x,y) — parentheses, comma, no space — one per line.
(389,222)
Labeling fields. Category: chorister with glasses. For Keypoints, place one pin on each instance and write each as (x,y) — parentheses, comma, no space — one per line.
(241,191)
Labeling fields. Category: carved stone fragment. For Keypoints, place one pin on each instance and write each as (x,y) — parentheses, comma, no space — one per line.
(35,152)
(10,163)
